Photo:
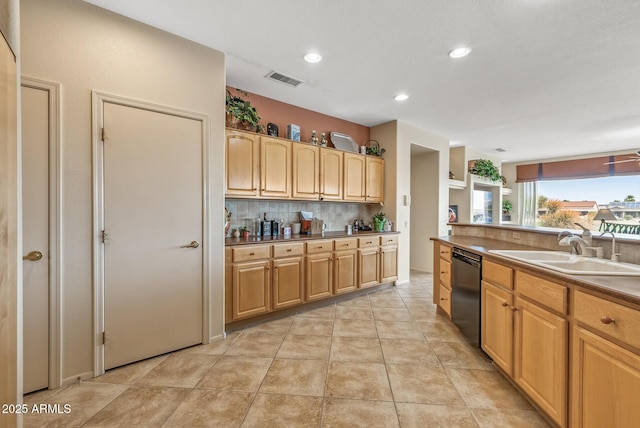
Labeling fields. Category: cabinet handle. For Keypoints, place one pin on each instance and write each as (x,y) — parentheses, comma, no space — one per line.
(252,254)
(606,320)
(514,309)
(505,304)
(369,242)
(442,273)
(443,298)
(289,250)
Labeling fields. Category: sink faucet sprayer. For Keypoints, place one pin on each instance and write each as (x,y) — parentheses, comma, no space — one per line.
(614,255)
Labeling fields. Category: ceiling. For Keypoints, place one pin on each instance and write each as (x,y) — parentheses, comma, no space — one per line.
(545,78)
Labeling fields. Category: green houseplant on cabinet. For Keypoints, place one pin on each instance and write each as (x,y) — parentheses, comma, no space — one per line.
(485,168)
(240,114)
(507,206)
(378,222)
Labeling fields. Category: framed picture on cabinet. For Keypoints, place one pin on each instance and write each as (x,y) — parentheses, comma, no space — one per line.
(453,213)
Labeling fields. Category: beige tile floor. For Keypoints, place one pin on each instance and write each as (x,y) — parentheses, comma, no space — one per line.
(382,360)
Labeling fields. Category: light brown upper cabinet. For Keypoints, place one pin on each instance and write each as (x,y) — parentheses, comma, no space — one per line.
(306,171)
(242,164)
(354,177)
(275,171)
(331,174)
(374,173)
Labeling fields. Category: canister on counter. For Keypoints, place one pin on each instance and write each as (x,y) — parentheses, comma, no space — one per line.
(349,229)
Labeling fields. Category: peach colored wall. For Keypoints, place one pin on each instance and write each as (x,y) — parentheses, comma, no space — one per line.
(283,114)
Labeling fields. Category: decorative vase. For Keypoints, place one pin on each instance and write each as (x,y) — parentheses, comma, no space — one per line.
(378,225)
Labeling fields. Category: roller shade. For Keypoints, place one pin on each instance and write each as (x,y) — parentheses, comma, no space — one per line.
(578,168)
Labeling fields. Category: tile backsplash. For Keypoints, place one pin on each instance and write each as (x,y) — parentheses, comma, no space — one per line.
(336,215)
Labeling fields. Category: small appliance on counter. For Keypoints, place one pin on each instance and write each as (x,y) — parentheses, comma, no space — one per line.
(265,226)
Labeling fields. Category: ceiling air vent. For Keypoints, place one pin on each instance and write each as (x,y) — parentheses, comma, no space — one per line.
(278,77)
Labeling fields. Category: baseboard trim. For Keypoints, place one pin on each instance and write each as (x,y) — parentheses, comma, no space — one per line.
(217,337)
(405,281)
(77,378)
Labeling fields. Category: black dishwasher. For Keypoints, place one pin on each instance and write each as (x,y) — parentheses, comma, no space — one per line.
(465,293)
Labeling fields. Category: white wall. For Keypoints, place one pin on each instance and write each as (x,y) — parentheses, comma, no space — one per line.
(85,48)
(397,137)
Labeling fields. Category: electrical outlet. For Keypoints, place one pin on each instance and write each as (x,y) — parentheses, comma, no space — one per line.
(516,235)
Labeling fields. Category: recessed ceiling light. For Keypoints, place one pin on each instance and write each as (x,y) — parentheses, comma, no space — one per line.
(401,97)
(313,57)
(460,52)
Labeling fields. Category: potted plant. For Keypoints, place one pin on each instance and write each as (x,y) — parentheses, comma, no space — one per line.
(485,168)
(507,206)
(244,232)
(240,114)
(378,222)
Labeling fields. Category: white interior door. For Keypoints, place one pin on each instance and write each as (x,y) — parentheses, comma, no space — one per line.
(153,205)
(35,237)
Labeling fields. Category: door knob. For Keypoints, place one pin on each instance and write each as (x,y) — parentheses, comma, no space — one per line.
(193,244)
(33,256)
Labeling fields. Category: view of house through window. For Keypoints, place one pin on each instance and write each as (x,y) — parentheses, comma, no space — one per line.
(562,203)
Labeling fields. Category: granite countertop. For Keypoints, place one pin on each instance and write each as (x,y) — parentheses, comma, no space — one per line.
(295,238)
(626,288)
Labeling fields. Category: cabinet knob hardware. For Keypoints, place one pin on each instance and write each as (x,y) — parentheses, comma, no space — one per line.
(606,320)
(289,250)
(252,254)
(514,309)
(255,189)
(443,298)
(442,273)
(505,304)
(369,242)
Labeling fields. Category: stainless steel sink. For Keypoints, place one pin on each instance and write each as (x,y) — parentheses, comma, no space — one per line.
(571,264)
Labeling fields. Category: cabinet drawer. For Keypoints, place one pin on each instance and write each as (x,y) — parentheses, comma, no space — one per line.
(497,274)
(547,293)
(445,252)
(286,250)
(389,240)
(613,319)
(319,246)
(445,299)
(371,241)
(254,252)
(445,273)
(345,244)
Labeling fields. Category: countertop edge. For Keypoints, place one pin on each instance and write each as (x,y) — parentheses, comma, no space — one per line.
(600,284)
(301,238)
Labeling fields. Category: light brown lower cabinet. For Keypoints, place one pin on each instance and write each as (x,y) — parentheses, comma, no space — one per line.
(345,273)
(388,263)
(319,269)
(541,357)
(605,382)
(251,285)
(288,282)
(368,267)
(497,325)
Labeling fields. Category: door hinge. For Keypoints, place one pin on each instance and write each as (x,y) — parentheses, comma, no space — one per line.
(105,237)
(104,337)
(102,134)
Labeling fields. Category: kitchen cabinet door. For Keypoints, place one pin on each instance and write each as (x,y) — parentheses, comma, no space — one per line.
(374,173)
(368,267)
(275,172)
(242,164)
(354,177)
(345,274)
(287,282)
(306,171)
(541,342)
(331,162)
(496,323)
(388,263)
(605,383)
(251,289)
(318,269)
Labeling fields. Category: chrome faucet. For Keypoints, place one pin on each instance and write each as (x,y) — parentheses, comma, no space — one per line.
(586,234)
(614,255)
(577,242)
